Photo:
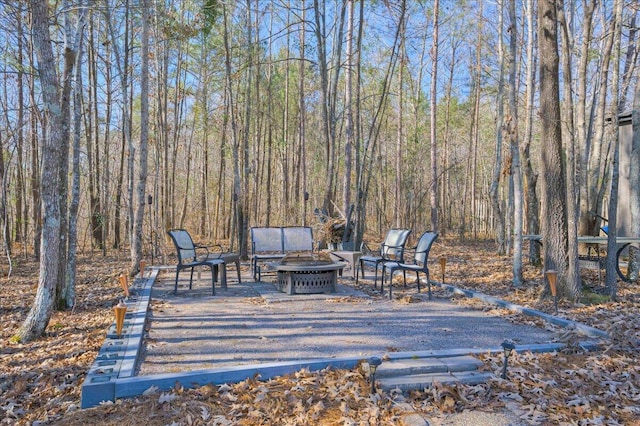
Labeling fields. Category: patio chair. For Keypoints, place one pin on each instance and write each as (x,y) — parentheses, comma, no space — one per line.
(391,249)
(419,264)
(189,258)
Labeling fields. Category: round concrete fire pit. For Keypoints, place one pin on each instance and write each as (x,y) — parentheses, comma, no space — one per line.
(308,274)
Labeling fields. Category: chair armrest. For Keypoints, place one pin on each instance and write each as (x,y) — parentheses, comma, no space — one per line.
(365,249)
(220,251)
(201,247)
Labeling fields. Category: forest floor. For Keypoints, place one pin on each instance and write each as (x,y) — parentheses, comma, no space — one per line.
(40,381)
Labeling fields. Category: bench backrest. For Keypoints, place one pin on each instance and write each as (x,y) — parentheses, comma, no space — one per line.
(297,238)
(184,244)
(281,240)
(266,240)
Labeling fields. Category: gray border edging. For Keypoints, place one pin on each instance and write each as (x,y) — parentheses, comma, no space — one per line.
(118,356)
(113,373)
(561,322)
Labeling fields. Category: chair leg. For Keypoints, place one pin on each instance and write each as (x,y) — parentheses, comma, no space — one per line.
(428,283)
(404,278)
(223,275)
(384,269)
(214,274)
(191,278)
(358,270)
(375,278)
(254,266)
(238,271)
(418,279)
(175,289)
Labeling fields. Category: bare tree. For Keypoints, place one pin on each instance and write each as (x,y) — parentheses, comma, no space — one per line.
(573,271)
(512,130)
(494,190)
(50,256)
(611,278)
(554,209)
(531,177)
(136,235)
(433,193)
(70,284)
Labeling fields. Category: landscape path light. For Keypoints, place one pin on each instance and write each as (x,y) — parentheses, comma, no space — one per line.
(120,310)
(143,264)
(374,363)
(124,283)
(507,348)
(552,276)
(443,266)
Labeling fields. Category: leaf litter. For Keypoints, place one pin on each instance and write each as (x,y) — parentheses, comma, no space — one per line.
(40,381)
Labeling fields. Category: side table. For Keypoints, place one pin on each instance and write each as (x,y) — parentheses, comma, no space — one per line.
(351,257)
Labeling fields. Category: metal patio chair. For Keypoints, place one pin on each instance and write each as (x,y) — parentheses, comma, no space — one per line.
(391,249)
(419,264)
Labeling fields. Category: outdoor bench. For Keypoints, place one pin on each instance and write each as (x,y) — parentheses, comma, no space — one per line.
(273,243)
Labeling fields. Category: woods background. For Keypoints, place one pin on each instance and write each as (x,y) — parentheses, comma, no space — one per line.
(217,116)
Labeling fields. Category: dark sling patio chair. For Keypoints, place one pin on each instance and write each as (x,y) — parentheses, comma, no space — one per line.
(189,257)
(391,249)
(419,264)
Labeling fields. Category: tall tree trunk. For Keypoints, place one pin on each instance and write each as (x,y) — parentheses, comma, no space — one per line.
(584,141)
(136,236)
(65,105)
(348,99)
(611,278)
(329,93)
(554,209)
(399,194)
(238,199)
(573,269)
(433,193)
(512,130)
(531,177)
(122,64)
(70,284)
(494,190)
(22,215)
(42,308)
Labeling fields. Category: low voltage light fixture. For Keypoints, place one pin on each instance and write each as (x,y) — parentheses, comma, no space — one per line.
(507,348)
(552,277)
(443,266)
(374,362)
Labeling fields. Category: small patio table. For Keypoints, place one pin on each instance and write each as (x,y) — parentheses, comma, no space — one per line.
(351,257)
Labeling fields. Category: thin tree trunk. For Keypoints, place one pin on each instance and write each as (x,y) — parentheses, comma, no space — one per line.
(349,131)
(584,142)
(433,193)
(70,285)
(573,270)
(512,129)
(494,190)
(136,237)
(531,177)
(611,278)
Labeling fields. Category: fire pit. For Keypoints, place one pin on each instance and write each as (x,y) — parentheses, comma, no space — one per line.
(307,274)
